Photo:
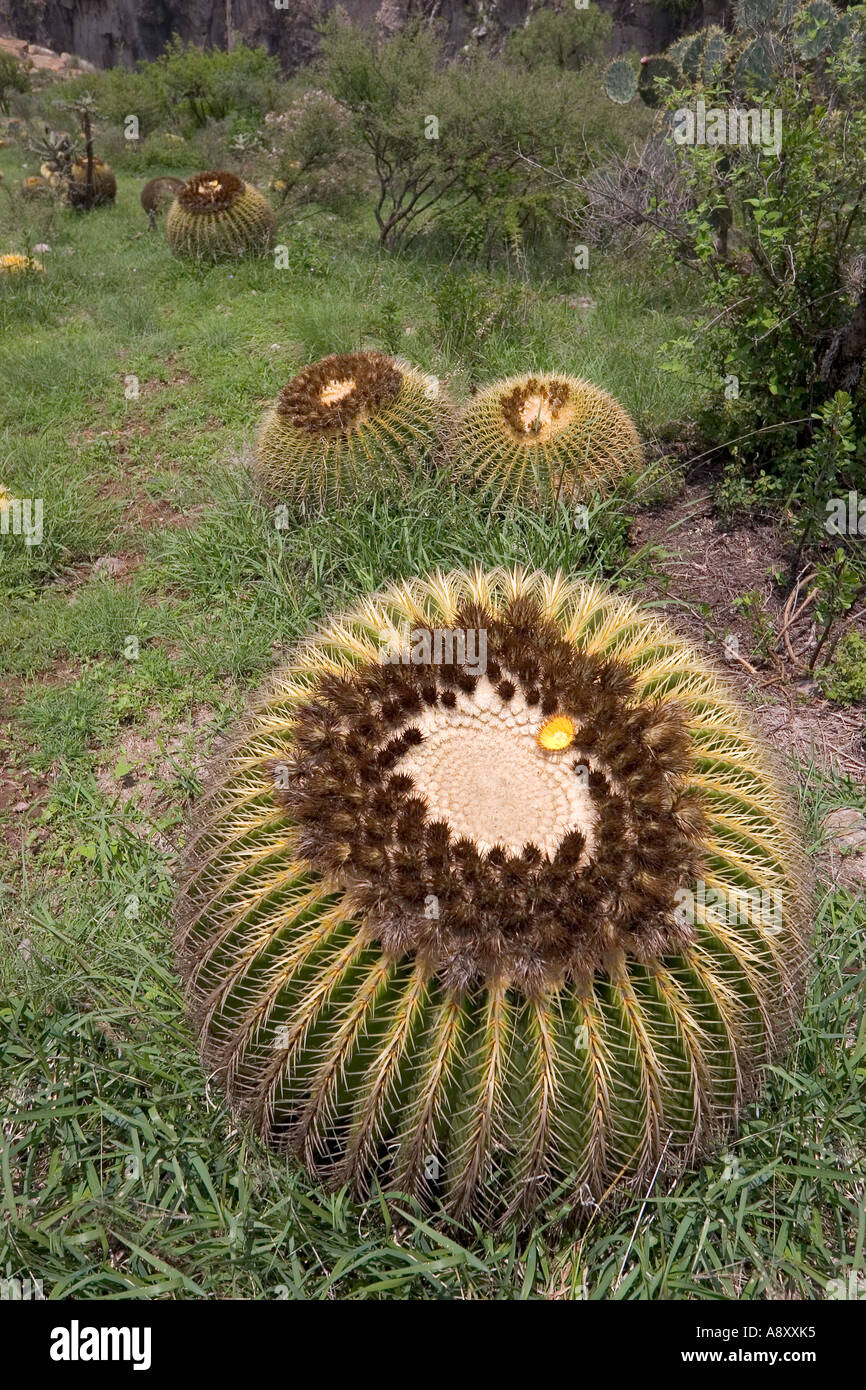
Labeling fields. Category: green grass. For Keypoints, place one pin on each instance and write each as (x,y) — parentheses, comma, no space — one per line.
(120,1176)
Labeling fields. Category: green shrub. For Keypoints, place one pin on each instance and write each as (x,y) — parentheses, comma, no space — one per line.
(561,38)
(13,78)
(844,678)
(463,136)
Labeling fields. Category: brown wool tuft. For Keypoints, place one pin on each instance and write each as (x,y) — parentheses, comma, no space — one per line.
(214,191)
(524,916)
(339,392)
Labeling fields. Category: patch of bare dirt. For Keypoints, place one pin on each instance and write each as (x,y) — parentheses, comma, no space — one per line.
(706,567)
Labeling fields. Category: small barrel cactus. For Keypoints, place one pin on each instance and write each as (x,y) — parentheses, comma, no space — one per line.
(104,184)
(216,215)
(495,891)
(541,438)
(159,193)
(35,186)
(350,424)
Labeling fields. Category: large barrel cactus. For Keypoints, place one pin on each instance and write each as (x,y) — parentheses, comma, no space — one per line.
(496,891)
(542,438)
(352,423)
(217,216)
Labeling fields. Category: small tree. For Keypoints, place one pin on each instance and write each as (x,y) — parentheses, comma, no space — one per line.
(444,137)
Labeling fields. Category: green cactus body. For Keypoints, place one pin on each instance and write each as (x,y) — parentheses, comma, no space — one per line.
(658,68)
(620,81)
(693,57)
(536,439)
(819,28)
(475,927)
(756,15)
(104,183)
(217,216)
(759,64)
(715,54)
(346,426)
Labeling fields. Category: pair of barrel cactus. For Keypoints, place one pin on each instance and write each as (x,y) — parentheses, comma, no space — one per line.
(359,422)
(496,894)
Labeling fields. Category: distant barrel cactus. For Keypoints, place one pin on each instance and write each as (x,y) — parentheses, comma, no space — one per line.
(349,424)
(104,184)
(541,438)
(19,265)
(35,186)
(495,891)
(158,193)
(216,215)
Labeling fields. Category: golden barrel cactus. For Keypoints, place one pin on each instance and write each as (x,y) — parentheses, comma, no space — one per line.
(15,264)
(495,892)
(217,216)
(351,424)
(540,438)
(104,184)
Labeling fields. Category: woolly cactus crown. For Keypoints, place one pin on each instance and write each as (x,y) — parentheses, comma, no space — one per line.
(348,424)
(432,916)
(215,214)
(539,438)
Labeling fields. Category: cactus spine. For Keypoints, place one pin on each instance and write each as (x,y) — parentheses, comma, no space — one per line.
(348,425)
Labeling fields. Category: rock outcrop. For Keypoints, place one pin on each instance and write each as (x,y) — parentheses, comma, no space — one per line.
(108,32)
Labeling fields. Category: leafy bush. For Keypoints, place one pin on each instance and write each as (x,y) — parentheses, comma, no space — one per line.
(775,230)
(844,679)
(187,87)
(13,78)
(561,38)
(443,138)
(312,151)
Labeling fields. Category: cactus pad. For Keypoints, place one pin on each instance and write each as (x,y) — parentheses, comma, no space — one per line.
(657,69)
(216,215)
(620,81)
(442,919)
(538,439)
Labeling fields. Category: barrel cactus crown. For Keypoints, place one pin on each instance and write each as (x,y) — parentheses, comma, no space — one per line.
(104,183)
(351,423)
(541,438)
(216,215)
(495,892)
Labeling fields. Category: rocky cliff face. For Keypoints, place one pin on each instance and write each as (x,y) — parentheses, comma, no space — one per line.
(107,32)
